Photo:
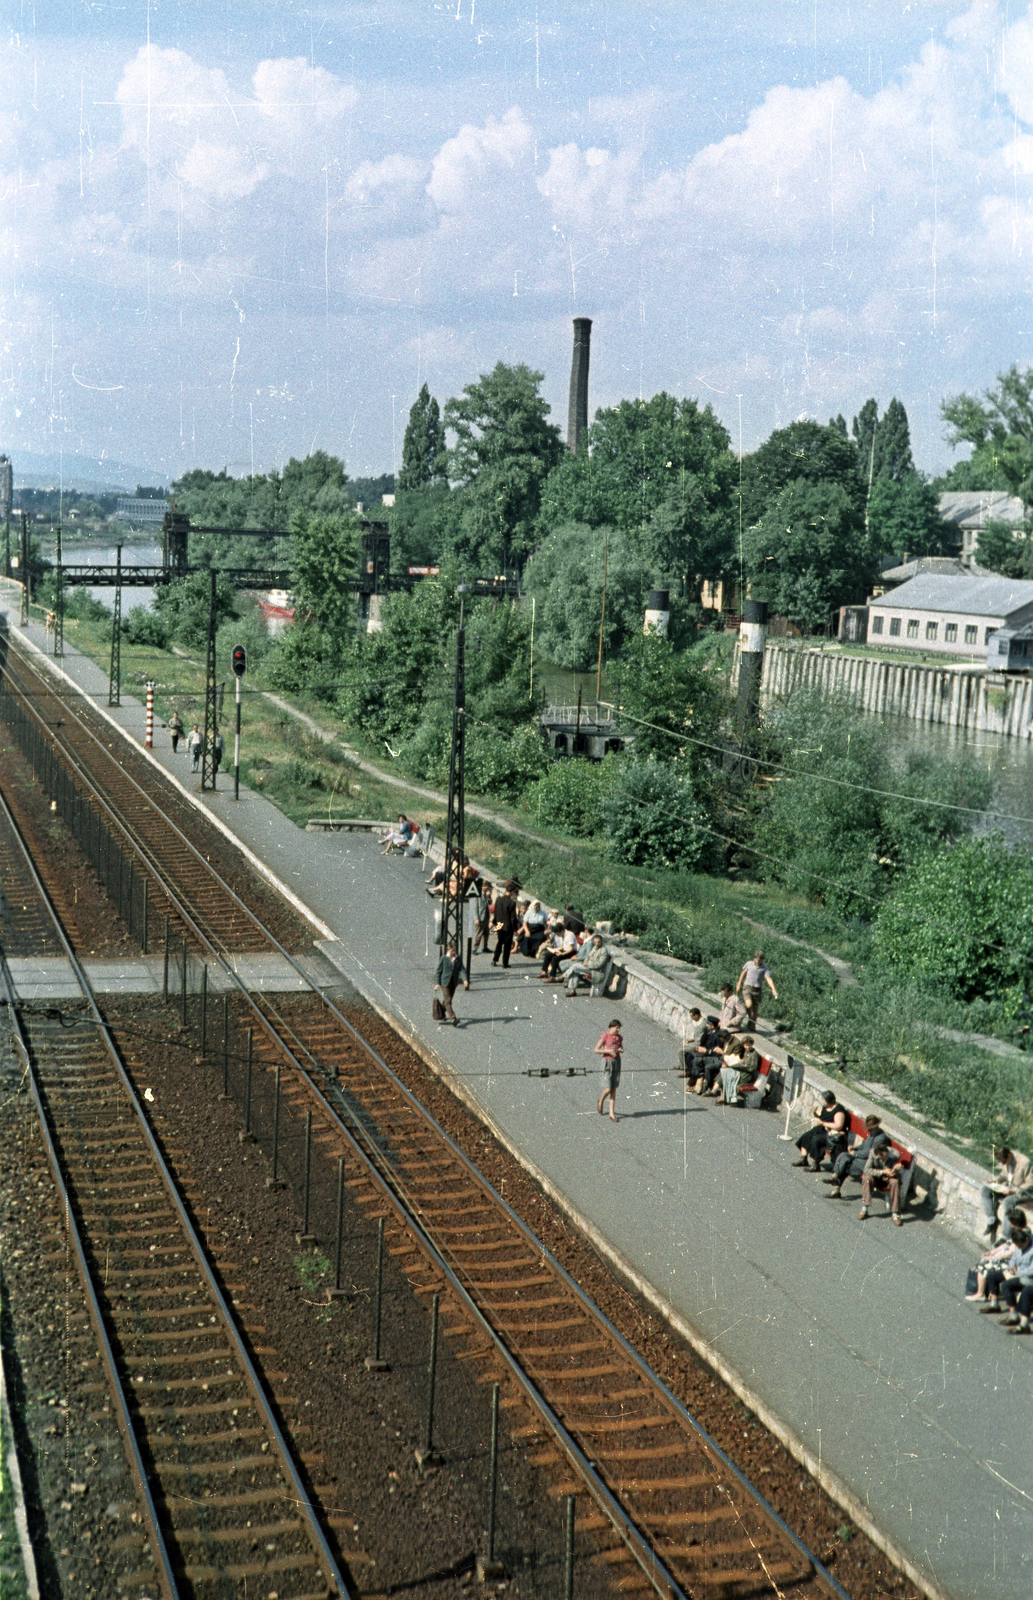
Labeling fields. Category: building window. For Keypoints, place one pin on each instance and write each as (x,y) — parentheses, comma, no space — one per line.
(988,635)
(876,624)
(894,627)
(912,627)
(950,633)
(970,634)
(930,629)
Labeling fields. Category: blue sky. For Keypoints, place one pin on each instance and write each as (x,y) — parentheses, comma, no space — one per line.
(234,232)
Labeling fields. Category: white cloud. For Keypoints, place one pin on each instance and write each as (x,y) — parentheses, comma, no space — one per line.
(468,170)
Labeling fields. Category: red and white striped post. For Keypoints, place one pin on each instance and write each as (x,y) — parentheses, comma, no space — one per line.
(150,717)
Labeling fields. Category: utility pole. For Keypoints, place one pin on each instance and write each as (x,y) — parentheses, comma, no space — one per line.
(59,602)
(23,618)
(453,900)
(210,705)
(115,677)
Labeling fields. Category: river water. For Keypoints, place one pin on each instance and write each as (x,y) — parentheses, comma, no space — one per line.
(1009,762)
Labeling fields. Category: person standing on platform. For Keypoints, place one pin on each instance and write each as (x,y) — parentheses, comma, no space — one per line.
(447,978)
(610,1047)
(504,924)
(194,743)
(218,751)
(175,730)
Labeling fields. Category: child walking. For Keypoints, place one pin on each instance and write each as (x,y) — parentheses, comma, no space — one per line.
(609,1047)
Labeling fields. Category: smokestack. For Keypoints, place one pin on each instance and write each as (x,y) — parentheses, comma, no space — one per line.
(577,410)
(658,612)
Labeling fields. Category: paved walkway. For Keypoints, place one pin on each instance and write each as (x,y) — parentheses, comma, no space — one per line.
(856,1337)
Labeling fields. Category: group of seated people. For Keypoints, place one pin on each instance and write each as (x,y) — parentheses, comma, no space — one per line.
(716,1058)
(1004,1277)
(404,835)
(872,1158)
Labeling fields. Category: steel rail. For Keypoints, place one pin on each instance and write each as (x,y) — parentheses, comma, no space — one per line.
(663,1581)
(125,827)
(163,1561)
(250,1372)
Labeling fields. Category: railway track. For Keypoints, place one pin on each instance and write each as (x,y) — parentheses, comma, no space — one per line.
(666,1509)
(220,1499)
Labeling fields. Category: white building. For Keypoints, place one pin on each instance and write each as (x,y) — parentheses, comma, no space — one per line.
(950,616)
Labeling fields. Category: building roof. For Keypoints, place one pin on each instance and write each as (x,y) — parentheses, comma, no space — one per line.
(974,508)
(982,596)
(911,569)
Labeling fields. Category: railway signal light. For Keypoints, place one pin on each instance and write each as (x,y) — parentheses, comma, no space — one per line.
(239,660)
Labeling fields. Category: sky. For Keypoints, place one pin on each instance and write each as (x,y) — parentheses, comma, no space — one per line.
(234,231)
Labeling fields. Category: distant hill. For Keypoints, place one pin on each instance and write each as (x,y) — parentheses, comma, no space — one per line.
(79,472)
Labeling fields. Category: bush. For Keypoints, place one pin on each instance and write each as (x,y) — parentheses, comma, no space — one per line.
(572,794)
(653,818)
(624,916)
(965,918)
(147,628)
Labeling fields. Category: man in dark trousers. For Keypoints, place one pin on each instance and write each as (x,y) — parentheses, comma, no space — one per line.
(504,924)
(447,978)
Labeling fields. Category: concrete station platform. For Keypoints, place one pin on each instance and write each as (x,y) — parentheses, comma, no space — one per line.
(852,1340)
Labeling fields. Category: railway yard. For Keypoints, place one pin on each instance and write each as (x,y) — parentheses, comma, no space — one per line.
(263,1273)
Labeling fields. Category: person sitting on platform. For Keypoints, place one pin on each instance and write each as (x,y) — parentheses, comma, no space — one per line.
(398,837)
(562,946)
(851,1163)
(1012,1282)
(882,1172)
(710,1053)
(694,1032)
(532,929)
(995,1257)
(733,1012)
(590,966)
(828,1136)
(1013,1188)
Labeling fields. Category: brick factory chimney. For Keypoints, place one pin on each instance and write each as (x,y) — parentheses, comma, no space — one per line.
(577,411)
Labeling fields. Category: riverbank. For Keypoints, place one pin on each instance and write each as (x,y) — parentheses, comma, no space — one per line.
(966,697)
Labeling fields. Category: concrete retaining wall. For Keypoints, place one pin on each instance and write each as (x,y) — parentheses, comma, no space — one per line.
(954,696)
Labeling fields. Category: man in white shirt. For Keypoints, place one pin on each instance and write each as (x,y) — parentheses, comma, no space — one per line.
(752,979)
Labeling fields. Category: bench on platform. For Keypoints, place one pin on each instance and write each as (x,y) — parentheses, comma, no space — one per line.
(345,824)
(752,1094)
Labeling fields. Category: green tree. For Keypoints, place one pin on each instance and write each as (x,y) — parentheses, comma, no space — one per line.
(1005,549)
(904,517)
(324,566)
(999,427)
(324,570)
(676,697)
(184,607)
(424,462)
(504,450)
(964,917)
(809,552)
(843,819)
(661,468)
(564,578)
(424,525)
(805,452)
(654,818)
(883,444)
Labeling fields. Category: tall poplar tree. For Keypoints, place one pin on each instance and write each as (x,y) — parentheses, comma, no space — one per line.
(423,448)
